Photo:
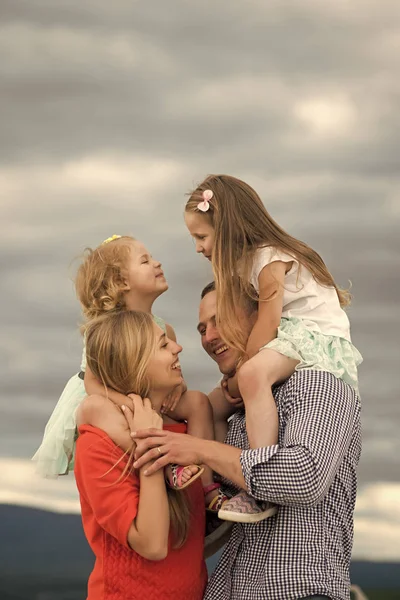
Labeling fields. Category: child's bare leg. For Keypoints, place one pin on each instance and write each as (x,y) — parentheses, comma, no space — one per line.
(256,378)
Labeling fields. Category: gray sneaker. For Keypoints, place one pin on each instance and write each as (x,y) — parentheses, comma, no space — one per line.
(243,508)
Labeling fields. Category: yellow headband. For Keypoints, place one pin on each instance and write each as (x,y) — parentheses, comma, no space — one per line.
(111,239)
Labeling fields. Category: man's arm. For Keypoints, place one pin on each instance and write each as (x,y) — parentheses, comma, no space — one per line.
(299,472)
(184,449)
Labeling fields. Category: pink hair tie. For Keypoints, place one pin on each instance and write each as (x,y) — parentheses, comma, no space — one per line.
(205,204)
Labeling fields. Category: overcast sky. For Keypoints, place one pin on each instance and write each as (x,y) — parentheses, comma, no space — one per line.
(112,112)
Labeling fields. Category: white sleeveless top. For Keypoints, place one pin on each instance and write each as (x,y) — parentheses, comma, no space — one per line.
(303,297)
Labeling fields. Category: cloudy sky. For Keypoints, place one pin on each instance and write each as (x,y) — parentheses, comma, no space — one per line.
(111,112)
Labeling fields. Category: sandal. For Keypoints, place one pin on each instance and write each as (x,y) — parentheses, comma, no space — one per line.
(218,500)
(174,477)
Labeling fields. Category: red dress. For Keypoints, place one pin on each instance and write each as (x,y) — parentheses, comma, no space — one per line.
(108,509)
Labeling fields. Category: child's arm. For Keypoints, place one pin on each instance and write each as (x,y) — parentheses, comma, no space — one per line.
(271,282)
(103,413)
(271,285)
(94,387)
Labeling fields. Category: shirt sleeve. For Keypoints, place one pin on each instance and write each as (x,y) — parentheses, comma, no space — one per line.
(112,497)
(263,257)
(318,432)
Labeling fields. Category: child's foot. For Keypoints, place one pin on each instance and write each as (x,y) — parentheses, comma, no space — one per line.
(242,508)
(179,477)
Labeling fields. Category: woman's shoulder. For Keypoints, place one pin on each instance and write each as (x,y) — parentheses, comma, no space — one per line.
(89,435)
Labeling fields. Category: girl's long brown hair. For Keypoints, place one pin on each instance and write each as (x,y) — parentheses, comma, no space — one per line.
(241,225)
(119,346)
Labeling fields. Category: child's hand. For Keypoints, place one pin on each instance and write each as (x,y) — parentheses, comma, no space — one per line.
(232,386)
(236,402)
(141,415)
(171,401)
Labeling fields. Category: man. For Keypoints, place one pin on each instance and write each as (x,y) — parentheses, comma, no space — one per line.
(304,550)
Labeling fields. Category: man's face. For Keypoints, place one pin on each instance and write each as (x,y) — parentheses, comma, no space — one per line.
(225,357)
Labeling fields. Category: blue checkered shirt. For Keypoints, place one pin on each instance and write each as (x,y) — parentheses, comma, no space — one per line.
(305,548)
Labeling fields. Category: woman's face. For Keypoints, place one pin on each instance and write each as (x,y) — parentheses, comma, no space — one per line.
(164,371)
(202,233)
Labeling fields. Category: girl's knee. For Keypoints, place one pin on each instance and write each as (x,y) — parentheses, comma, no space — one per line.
(254,375)
(198,402)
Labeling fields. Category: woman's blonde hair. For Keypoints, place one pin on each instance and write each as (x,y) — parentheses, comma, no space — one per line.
(119,346)
(101,278)
(241,225)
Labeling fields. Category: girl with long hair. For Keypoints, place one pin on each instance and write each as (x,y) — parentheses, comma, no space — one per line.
(147,538)
(301,321)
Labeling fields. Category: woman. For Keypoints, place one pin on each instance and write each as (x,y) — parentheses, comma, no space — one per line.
(148,541)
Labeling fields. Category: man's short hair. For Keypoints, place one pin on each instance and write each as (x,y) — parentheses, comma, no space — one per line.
(210,287)
(250,304)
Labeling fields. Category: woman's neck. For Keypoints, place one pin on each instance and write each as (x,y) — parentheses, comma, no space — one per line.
(157,400)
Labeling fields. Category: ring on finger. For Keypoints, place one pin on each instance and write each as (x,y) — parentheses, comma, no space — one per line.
(158,450)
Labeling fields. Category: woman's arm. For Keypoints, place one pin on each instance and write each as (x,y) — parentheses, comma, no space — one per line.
(271,286)
(148,534)
(132,509)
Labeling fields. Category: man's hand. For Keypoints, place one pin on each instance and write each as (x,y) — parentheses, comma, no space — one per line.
(165,447)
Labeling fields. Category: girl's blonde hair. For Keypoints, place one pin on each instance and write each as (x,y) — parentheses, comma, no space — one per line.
(241,225)
(100,281)
(119,346)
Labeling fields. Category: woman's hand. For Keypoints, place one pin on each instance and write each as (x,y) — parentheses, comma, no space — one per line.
(141,414)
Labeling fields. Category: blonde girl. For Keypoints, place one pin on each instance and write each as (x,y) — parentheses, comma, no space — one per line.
(121,275)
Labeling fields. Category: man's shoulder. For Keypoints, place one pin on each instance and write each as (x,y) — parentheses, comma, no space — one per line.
(319,385)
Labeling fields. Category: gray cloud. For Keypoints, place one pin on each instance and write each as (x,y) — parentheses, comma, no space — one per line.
(111,112)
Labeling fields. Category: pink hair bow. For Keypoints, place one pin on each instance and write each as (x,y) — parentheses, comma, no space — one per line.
(205,204)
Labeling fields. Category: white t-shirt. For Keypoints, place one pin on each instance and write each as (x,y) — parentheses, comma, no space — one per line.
(303,297)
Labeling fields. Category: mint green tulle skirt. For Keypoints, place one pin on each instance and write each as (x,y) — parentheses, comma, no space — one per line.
(317,351)
(55,455)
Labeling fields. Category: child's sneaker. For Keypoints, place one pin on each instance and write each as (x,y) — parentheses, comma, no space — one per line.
(243,508)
